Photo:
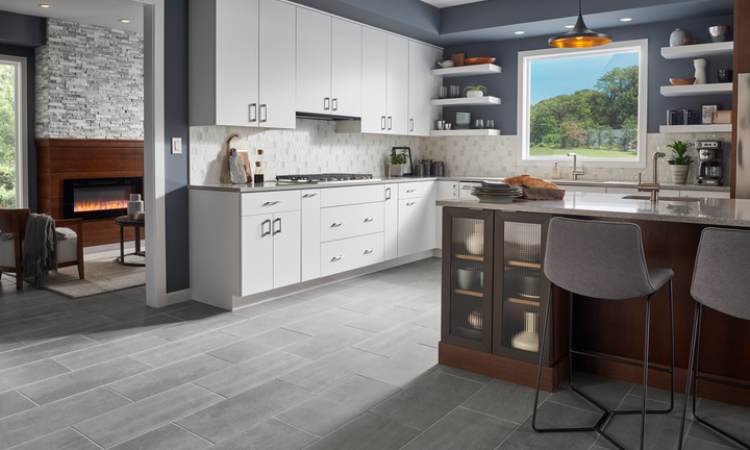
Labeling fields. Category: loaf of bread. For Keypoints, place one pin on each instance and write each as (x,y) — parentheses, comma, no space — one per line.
(530,182)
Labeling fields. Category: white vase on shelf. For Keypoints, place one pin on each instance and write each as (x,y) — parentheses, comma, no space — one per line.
(528,339)
(475,240)
(700,70)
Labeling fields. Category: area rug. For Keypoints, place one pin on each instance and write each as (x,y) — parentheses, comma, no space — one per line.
(102,274)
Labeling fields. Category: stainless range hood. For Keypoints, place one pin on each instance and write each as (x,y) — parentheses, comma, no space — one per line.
(742,189)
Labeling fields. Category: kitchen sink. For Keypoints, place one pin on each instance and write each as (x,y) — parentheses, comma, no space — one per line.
(665,199)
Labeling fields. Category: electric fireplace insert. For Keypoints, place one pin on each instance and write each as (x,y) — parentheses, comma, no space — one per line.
(94,198)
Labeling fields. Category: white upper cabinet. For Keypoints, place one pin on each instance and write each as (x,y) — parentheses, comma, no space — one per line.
(277,65)
(398,84)
(242,59)
(329,64)
(423,86)
(313,61)
(374,80)
(346,73)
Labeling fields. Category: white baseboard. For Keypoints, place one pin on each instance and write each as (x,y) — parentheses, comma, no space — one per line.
(252,300)
(178,297)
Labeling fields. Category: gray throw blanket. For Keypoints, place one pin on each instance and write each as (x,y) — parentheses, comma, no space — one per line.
(39,248)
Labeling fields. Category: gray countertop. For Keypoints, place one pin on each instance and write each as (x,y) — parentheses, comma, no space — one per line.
(706,211)
(272,186)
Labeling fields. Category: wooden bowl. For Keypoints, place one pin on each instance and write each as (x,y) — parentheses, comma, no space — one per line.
(681,81)
(479,60)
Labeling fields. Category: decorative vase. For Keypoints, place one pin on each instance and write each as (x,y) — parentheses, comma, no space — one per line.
(474,319)
(719,33)
(679,37)
(473,93)
(679,173)
(528,339)
(475,240)
(700,70)
(135,206)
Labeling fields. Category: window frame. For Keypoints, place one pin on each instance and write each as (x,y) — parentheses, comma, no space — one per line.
(523,122)
(19,65)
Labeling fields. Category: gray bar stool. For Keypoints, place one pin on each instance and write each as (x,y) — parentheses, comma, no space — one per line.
(721,281)
(603,260)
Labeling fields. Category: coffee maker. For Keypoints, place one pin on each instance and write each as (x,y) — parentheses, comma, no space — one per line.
(709,169)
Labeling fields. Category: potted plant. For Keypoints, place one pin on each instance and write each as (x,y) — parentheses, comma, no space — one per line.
(679,162)
(397,162)
(475,90)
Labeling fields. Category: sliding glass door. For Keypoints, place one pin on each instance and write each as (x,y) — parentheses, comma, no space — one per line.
(12,132)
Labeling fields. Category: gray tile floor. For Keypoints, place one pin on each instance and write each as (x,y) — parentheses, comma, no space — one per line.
(347,366)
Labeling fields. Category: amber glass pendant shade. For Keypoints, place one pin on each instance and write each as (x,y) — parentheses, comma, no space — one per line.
(580,36)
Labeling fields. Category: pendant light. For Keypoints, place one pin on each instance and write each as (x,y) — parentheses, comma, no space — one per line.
(580,36)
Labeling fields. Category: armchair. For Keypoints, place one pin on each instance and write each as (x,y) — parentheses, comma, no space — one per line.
(12,230)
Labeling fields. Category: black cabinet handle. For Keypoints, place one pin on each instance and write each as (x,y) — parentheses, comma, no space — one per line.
(276,230)
(263,232)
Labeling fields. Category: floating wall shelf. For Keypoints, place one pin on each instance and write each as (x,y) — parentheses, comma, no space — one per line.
(698,50)
(481,132)
(466,101)
(714,128)
(465,71)
(696,89)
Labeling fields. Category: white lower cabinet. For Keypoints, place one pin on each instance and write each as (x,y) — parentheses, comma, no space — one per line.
(347,221)
(446,190)
(310,234)
(271,247)
(257,254)
(390,221)
(348,254)
(416,225)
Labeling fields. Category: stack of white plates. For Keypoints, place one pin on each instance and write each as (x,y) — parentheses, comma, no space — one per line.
(496,192)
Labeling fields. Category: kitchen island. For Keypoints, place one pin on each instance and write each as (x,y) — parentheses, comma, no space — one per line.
(494,294)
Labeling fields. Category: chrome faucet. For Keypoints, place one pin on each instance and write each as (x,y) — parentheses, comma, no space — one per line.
(576,172)
(653,187)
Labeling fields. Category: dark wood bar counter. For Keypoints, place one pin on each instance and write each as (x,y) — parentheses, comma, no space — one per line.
(671,233)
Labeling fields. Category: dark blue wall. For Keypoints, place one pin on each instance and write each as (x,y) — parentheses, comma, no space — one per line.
(19,35)
(176,125)
(659,71)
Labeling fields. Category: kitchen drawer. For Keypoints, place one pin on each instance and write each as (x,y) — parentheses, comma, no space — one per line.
(415,190)
(351,195)
(342,222)
(352,253)
(270,202)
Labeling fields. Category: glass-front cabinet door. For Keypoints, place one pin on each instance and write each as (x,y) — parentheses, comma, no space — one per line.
(520,289)
(467,278)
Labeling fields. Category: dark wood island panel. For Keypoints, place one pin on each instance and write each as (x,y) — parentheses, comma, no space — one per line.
(616,327)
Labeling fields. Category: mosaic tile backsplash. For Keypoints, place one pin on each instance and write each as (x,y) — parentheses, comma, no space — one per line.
(89,83)
(316,147)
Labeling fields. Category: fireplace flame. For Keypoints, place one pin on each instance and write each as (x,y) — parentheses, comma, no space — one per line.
(99,205)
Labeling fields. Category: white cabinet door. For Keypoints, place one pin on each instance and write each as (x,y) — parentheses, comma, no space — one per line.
(236,69)
(446,190)
(286,248)
(346,69)
(276,65)
(313,61)
(416,230)
(398,85)
(390,222)
(310,235)
(423,87)
(257,254)
(374,80)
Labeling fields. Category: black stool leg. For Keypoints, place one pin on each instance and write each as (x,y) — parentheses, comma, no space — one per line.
(646,342)
(692,387)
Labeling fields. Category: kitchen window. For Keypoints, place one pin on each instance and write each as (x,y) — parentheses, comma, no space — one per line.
(12,132)
(591,102)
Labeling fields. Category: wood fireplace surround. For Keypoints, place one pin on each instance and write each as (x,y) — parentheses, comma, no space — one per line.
(86,159)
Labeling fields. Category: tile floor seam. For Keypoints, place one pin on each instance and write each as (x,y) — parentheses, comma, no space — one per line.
(27,398)
(422,432)
(278,417)
(189,431)
(481,413)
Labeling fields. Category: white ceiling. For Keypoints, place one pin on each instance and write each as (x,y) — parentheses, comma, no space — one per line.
(106,13)
(447,3)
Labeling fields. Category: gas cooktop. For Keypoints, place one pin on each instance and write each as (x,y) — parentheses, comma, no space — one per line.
(322,178)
